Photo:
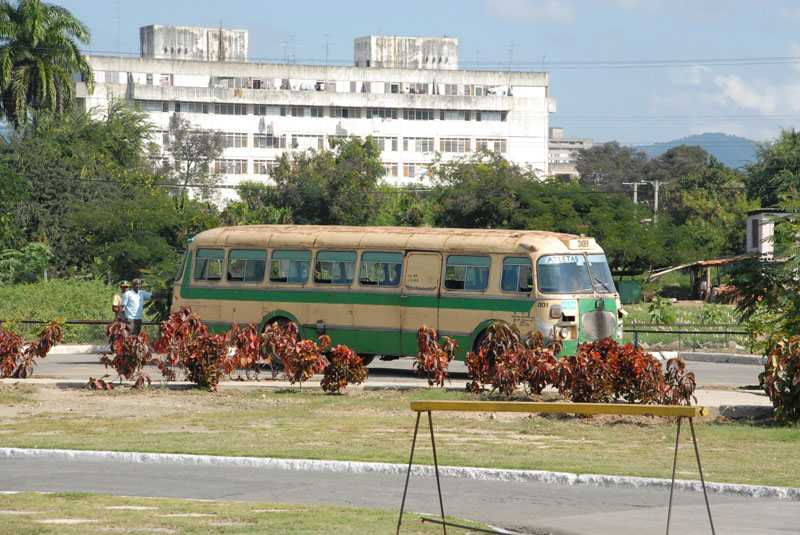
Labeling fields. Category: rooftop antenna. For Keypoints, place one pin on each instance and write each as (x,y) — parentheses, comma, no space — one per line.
(543,56)
(510,55)
(477,60)
(288,50)
(119,18)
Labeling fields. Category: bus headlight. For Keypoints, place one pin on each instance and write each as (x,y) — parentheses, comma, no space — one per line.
(563,333)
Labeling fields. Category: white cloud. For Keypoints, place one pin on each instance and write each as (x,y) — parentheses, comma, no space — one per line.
(532,10)
(693,75)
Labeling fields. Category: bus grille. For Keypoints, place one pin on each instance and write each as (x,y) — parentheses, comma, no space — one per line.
(598,324)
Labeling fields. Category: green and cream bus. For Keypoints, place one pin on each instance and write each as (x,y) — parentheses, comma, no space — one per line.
(372,288)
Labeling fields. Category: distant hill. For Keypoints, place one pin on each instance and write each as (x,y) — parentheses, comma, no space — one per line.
(733,151)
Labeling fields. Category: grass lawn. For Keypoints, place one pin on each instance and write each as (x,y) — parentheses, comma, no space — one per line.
(79,513)
(378,426)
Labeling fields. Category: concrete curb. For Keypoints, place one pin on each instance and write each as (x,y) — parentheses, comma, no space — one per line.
(482,474)
(723,358)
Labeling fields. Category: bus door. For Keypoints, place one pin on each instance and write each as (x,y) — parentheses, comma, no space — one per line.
(420,297)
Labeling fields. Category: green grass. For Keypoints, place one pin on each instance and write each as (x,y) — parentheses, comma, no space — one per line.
(79,513)
(378,426)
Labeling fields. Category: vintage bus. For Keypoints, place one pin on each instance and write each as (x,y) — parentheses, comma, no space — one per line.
(372,288)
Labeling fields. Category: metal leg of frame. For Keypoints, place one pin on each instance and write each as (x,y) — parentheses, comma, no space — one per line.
(702,479)
(408,474)
(436,467)
(674,468)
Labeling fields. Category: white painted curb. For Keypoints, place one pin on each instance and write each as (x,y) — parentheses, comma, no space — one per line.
(483,474)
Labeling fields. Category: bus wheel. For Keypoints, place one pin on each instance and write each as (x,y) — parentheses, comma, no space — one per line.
(277,365)
(366,359)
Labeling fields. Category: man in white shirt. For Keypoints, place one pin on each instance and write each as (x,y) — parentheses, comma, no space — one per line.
(132,304)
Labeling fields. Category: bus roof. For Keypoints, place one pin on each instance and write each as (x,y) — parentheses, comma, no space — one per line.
(405,238)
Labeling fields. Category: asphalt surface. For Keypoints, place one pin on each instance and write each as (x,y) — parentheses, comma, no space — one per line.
(557,505)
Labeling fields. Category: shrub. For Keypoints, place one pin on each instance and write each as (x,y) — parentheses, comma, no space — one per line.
(781,378)
(17,358)
(345,367)
(185,342)
(661,310)
(433,358)
(679,385)
(303,359)
(246,343)
(130,354)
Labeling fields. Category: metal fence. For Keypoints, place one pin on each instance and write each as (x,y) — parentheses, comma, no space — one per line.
(688,336)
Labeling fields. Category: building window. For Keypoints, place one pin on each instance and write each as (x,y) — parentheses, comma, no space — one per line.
(490,115)
(414,114)
(418,88)
(418,144)
(454,144)
(191,107)
(414,170)
(386,144)
(229,108)
(152,105)
(494,145)
(231,167)
(345,113)
(304,142)
(755,235)
(234,141)
(264,167)
(382,113)
(262,109)
(454,115)
(390,169)
(451,89)
(268,141)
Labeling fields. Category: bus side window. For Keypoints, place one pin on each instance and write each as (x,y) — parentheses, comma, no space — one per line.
(381,269)
(335,267)
(290,266)
(246,265)
(517,276)
(209,264)
(467,273)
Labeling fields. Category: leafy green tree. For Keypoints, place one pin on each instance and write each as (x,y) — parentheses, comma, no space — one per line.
(608,165)
(777,169)
(404,206)
(253,207)
(27,264)
(192,152)
(330,187)
(677,162)
(480,190)
(767,288)
(69,161)
(38,56)
(13,190)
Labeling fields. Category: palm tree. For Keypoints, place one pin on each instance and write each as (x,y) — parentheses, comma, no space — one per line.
(38,56)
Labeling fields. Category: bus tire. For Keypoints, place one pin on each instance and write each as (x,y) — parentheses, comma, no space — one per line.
(366,359)
(277,365)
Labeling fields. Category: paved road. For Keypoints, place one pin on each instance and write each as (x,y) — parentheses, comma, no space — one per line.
(79,367)
(525,507)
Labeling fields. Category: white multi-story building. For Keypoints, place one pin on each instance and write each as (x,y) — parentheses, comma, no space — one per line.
(564,153)
(266,109)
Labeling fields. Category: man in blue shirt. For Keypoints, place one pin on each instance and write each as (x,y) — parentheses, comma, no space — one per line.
(132,304)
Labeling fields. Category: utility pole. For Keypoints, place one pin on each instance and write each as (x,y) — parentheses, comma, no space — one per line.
(635,190)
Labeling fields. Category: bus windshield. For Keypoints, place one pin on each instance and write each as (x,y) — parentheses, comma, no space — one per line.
(601,274)
(563,274)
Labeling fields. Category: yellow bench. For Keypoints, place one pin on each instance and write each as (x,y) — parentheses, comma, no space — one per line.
(679,412)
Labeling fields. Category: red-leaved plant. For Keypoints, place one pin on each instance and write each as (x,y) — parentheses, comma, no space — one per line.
(433,357)
(130,354)
(247,348)
(186,342)
(301,360)
(679,384)
(17,358)
(345,367)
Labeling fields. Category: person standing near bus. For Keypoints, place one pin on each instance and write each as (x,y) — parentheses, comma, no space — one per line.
(132,304)
(124,286)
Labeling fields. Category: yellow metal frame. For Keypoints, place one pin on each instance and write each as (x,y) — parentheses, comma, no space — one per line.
(679,412)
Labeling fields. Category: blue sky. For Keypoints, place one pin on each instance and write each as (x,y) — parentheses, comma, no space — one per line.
(635,71)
